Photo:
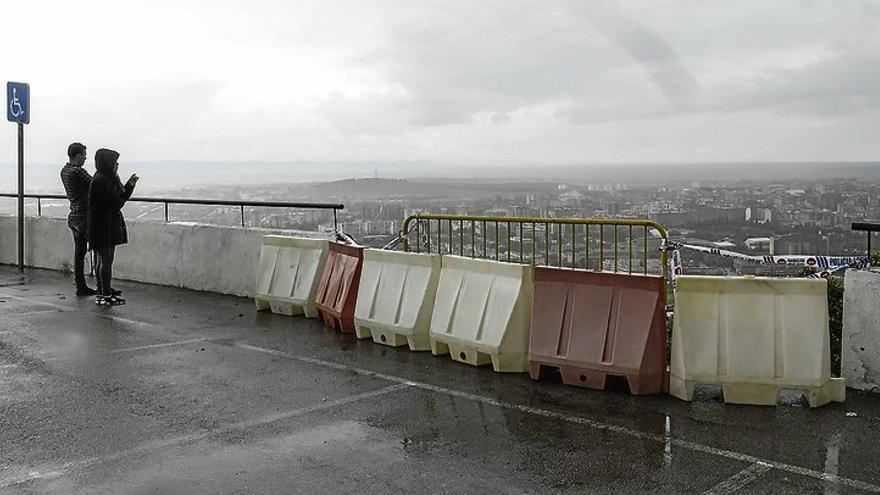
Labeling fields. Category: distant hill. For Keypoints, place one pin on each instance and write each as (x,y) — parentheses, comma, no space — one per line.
(165,175)
(414,188)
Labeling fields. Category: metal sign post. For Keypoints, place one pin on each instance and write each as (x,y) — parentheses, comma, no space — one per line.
(18,110)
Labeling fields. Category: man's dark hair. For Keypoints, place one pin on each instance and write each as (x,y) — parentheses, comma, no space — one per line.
(75,149)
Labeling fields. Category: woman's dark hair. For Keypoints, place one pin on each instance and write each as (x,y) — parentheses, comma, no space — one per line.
(105,160)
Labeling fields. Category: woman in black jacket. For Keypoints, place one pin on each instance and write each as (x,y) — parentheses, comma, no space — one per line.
(106,227)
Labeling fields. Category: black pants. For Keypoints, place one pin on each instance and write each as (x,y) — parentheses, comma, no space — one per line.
(80,244)
(104,269)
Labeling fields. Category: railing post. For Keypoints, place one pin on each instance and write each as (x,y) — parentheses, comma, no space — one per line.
(473,239)
(242,215)
(615,248)
(630,268)
(534,242)
(868,229)
(405,238)
(40,209)
(508,242)
(451,244)
(461,237)
(166,212)
(587,242)
(335,225)
(483,235)
(496,240)
(546,243)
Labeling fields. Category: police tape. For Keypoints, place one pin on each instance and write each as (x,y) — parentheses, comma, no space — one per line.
(829,264)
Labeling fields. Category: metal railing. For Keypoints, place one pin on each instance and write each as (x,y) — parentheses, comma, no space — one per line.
(540,241)
(868,229)
(201,202)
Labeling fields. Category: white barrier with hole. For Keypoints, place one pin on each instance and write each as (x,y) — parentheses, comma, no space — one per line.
(482,313)
(288,274)
(753,336)
(396,298)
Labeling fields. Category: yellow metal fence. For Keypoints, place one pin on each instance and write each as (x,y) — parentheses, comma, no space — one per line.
(608,244)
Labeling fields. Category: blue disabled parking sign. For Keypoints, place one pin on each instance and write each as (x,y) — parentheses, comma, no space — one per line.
(18,108)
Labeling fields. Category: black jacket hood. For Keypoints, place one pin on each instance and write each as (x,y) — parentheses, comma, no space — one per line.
(105,160)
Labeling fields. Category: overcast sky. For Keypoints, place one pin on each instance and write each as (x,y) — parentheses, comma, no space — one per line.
(464,82)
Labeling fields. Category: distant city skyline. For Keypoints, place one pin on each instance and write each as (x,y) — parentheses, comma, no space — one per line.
(496,83)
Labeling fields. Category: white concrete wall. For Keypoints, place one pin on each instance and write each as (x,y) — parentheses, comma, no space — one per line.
(860,362)
(195,256)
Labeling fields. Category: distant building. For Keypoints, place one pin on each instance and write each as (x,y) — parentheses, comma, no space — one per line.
(760,244)
(724,244)
(759,214)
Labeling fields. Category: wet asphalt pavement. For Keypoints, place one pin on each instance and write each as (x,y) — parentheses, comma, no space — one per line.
(192,392)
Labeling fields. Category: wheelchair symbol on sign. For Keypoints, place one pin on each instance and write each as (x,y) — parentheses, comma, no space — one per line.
(14,105)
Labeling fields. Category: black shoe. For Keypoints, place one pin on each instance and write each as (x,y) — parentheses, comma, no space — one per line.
(109,301)
(85,291)
(115,292)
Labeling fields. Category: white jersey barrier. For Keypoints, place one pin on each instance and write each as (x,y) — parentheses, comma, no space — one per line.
(860,353)
(288,275)
(482,313)
(753,336)
(396,298)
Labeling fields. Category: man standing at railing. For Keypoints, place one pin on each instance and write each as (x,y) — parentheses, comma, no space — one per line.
(76,182)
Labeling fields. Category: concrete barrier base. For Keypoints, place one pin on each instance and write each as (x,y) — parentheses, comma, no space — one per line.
(761,394)
(480,356)
(390,336)
(595,379)
(285,306)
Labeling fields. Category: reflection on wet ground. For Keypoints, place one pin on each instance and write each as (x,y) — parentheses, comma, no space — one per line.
(189,392)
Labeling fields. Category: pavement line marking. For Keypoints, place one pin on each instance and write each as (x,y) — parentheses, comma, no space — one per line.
(740,479)
(123,319)
(598,425)
(120,319)
(156,346)
(667,441)
(151,327)
(38,475)
(37,312)
(194,437)
(37,301)
(129,349)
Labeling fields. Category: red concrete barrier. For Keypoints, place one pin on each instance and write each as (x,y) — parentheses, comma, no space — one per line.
(588,325)
(338,289)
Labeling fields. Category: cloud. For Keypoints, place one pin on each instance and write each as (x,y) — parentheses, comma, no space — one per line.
(496,81)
